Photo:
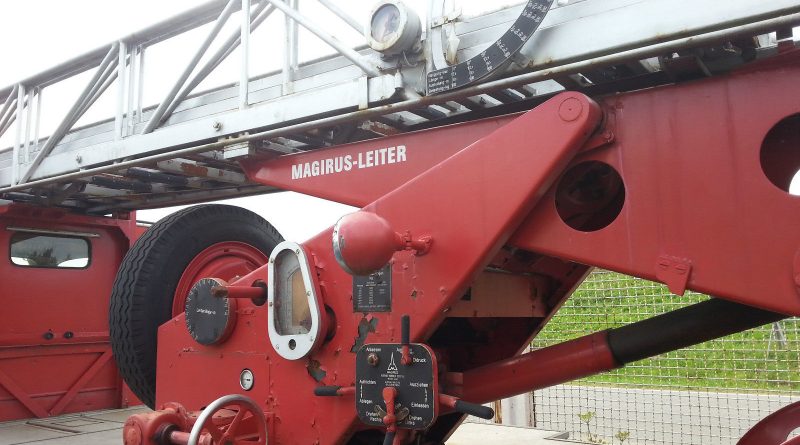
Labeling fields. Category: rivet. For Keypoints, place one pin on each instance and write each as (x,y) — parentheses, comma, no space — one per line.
(373,359)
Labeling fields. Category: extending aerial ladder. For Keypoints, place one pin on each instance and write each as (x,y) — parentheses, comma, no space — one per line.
(495,159)
(185,148)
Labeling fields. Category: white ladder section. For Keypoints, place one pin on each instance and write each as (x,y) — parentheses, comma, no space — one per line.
(185,148)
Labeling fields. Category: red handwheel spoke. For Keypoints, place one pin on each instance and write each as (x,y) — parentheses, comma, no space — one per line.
(258,441)
(215,432)
(231,431)
(246,426)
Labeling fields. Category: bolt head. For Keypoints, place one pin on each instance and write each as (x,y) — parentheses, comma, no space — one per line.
(373,359)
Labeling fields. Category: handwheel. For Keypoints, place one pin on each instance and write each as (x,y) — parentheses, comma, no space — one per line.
(234,433)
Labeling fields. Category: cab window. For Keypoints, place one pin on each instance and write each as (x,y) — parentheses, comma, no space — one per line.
(51,251)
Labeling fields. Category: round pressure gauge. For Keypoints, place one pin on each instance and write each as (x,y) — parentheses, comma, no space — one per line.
(246,379)
(393,28)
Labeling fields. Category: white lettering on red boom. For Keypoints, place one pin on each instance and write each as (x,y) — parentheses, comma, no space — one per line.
(346,163)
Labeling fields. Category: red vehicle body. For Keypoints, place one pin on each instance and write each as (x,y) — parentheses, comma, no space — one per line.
(55,355)
(684,184)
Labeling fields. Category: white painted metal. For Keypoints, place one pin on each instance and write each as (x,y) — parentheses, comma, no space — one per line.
(303,107)
(160,113)
(279,278)
(244,76)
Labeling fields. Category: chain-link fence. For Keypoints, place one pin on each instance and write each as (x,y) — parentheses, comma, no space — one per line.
(708,394)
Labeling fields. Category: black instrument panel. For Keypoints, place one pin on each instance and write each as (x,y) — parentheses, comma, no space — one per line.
(379,366)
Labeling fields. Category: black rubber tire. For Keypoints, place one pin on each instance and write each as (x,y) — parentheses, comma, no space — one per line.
(141,299)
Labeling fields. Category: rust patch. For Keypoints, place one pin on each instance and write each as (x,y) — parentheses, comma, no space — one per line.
(194,169)
(364,328)
(315,370)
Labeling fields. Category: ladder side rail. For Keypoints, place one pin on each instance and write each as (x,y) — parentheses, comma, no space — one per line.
(244,77)
(15,155)
(261,13)
(73,114)
(140,87)
(365,65)
(639,53)
(563,36)
(159,115)
(511,82)
(8,109)
(136,149)
(290,50)
(179,24)
(121,75)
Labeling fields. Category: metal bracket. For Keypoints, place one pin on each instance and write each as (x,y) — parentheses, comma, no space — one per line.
(444,19)
(674,272)
(238,150)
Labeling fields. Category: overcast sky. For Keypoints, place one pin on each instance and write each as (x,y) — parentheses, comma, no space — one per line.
(36,35)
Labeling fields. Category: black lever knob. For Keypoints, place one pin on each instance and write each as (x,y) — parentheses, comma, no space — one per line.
(333,391)
(473,409)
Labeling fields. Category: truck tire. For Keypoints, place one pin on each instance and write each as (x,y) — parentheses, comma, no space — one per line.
(224,239)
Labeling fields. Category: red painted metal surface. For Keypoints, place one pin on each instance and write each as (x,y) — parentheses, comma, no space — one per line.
(55,355)
(497,164)
(535,370)
(697,202)
(227,261)
(672,185)
(775,428)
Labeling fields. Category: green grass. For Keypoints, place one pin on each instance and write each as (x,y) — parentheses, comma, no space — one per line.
(737,363)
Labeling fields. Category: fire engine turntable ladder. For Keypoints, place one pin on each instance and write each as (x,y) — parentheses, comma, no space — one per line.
(185,148)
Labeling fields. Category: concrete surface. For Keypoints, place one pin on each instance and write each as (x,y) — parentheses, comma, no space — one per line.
(89,428)
(105,428)
(485,434)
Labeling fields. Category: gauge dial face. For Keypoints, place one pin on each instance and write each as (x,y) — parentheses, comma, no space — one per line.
(246,379)
(496,56)
(386,23)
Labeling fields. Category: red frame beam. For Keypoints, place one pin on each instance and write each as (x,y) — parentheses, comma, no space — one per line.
(699,213)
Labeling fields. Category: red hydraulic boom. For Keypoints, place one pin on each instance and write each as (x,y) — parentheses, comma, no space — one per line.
(394,323)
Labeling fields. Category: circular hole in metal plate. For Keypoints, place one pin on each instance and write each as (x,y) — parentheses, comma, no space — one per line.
(590,196)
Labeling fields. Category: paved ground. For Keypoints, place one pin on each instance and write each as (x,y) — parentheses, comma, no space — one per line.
(104,428)
(90,428)
(483,434)
(651,416)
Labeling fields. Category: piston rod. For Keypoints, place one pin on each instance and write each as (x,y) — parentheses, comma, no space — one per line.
(607,350)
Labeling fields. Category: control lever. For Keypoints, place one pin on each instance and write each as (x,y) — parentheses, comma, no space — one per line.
(405,340)
(334,391)
(390,420)
(473,409)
